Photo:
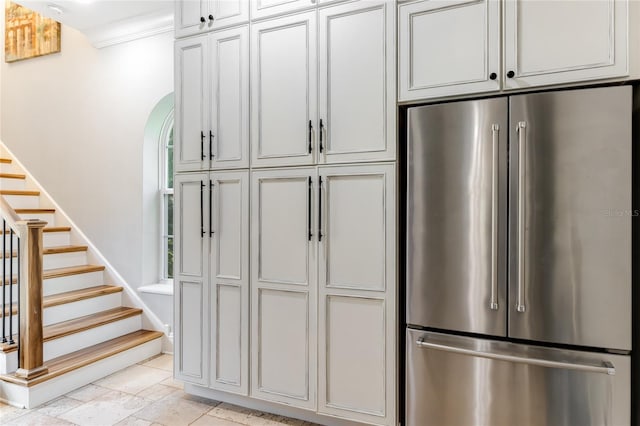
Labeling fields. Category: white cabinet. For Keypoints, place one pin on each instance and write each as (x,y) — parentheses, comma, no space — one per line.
(283,286)
(265,8)
(357,120)
(449,48)
(357,287)
(354,117)
(212,101)
(550,42)
(197,16)
(283,90)
(212,279)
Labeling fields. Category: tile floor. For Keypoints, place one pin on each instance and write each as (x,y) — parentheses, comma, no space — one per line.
(141,395)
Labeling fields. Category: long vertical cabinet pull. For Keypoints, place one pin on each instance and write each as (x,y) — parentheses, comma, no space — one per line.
(202,156)
(211,156)
(310,131)
(320,208)
(201,209)
(522,150)
(309,210)
(495,129)
(321,132)
(211,231)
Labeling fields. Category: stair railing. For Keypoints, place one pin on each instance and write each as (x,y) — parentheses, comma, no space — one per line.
(22,241)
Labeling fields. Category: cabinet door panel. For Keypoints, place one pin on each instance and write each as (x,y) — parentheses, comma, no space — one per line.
(283,75)
(357,81)
(191,109)
(229,263)
(448,48)
(229,12)
(281,226)
(264,8)
(355,354)
(283,343)
(549,42)
(191,199)
(190,333)
(230,98)
(187,17)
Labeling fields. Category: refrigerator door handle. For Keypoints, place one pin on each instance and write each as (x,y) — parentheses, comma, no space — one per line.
(495,129)
(522,149)
(604,367)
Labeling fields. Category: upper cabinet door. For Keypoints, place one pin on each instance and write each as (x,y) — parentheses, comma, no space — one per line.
(551,42)
(191,17)
(191,109)
(230,98)
(448,48)
(264,8)
(283,91)
(357,82)
(198,16)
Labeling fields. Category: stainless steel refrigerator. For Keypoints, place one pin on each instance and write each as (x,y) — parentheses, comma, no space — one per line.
(519,261)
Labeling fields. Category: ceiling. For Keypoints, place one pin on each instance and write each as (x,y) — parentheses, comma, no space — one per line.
(108,22)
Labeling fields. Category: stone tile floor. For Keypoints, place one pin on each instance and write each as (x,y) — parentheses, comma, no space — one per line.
(144,394)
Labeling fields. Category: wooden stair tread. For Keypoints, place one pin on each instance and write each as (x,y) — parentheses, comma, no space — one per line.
(72,296)
(71,270)
(34,211)
(87,356)
(76,325)
(19,192)
(12,176)
(54,250)
(5,160)
(57,229)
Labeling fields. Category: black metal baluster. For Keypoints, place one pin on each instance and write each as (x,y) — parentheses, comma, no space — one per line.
(4,280)
(11,234)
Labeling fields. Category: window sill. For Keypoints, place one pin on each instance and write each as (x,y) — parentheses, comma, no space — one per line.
(165,288)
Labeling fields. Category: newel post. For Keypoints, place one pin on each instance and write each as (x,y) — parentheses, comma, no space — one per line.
(30,360)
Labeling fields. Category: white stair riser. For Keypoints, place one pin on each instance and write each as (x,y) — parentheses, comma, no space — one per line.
(47,217)
(13,184)
(10,290)
(68,311)
(72,282)
(55,239)
(23,201)
(9,168)
(74,342)
(56,260)
(29,397)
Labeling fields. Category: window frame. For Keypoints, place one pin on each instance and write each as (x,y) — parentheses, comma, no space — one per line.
(163,191)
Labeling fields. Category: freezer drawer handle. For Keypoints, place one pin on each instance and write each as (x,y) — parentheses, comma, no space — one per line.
(604,367)
(495,129)
(522,150)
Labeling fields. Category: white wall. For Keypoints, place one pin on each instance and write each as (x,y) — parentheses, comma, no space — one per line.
(77,120)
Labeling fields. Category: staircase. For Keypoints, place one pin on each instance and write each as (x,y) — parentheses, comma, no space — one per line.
(87,332)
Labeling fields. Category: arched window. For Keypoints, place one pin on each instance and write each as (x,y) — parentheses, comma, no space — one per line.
(166,198)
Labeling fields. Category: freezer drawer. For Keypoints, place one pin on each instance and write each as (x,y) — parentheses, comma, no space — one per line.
(461,381)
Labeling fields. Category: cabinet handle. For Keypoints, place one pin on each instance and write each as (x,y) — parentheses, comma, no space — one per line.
(202,156)
(321,132)
(511,74)
(201,209)
(310,130)
(493,76)
(211,156)
(320,209)
(495,129)
(211,18)
(309,210)
(211,231)
(202,19)
(522,149)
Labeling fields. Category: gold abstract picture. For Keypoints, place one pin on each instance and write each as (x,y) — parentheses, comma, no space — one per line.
(28,34)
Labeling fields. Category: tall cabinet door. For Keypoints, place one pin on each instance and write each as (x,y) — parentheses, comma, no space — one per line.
(283,90)
(191,109)
(230,98)
(357,293)
(357,82)
(552,42)
(191,290)
(283,286)
(229,285)
(448,48)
